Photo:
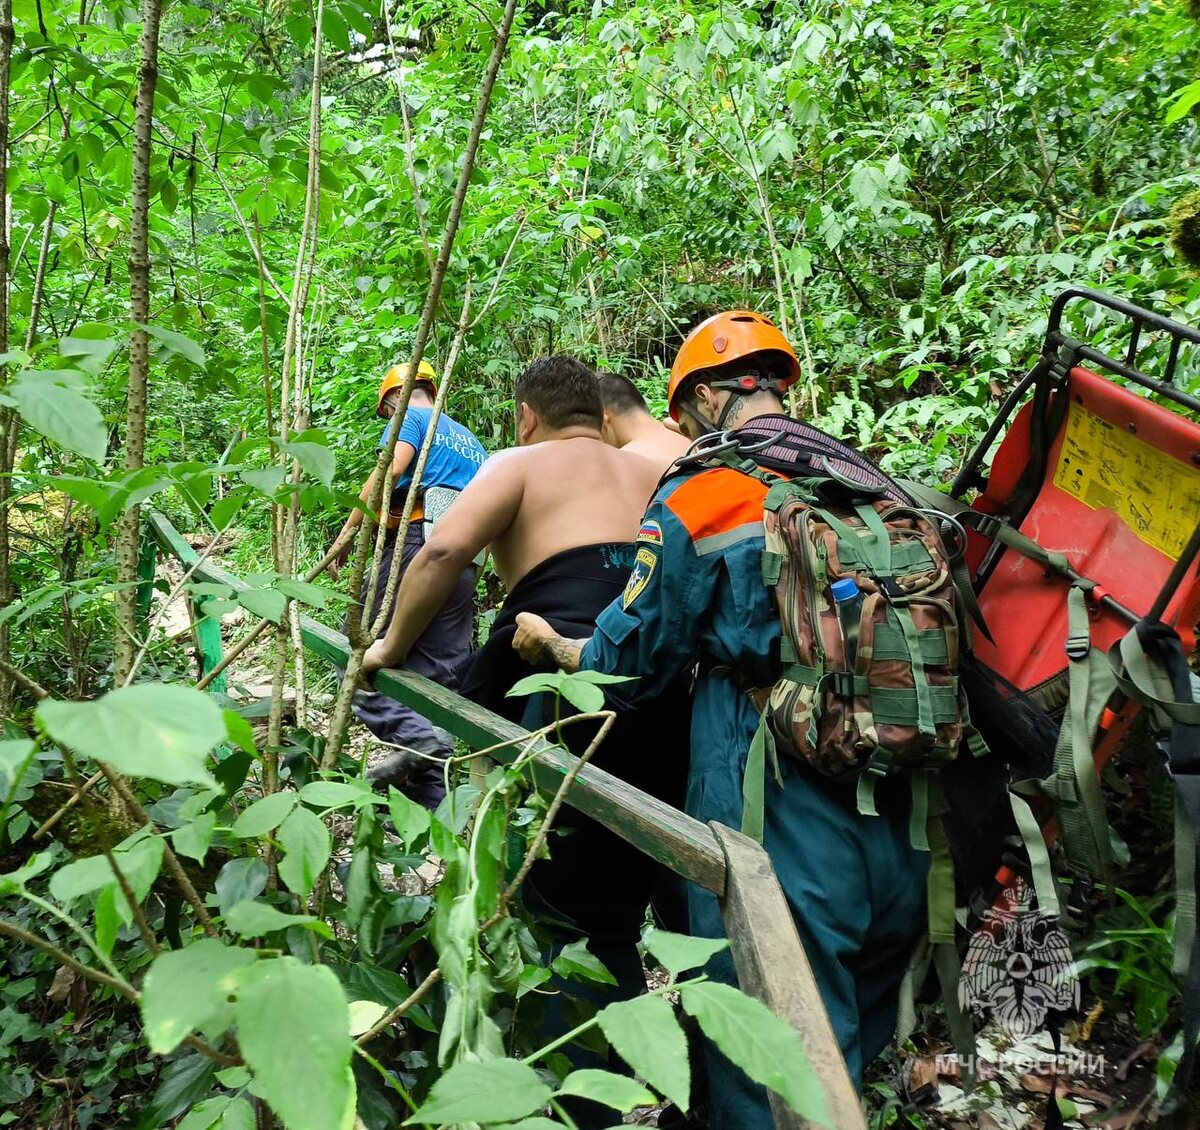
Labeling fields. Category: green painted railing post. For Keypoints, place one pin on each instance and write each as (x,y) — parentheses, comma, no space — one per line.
(208,637)
(147,562)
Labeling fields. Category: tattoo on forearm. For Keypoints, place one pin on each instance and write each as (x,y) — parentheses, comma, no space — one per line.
(565,653)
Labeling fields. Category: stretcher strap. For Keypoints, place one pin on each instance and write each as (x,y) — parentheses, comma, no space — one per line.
(1039,856)
(1185,888)
(1075,784)
(754,780)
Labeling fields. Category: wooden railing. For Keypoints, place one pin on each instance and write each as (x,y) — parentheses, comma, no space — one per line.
(767,952)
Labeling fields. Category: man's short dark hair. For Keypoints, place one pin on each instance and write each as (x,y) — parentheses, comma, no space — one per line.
(620,394)
(563,391)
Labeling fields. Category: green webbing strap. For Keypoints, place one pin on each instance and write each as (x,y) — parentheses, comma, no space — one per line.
(1039,855)
(1076,784)
(939,885)
(755,779)
(918,816)
(925,721)
(914,974)
(949,969)
(881,542)
(865,792)
(1185,889)
(1149,683)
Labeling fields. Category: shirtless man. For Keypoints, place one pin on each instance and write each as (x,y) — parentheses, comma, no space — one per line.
(561,514)
(629,425)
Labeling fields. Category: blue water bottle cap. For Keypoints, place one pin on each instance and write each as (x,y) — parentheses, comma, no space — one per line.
(845,589)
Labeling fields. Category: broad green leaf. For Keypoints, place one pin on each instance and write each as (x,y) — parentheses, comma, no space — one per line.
(147,730)
(240,879)
(306,844)
(61,414)
(267,603)
(294,1033)
(13,881)
(584,696)
(315,458)
(265,480)
(265,815)
(409,818)
(225,1112)
(195,838)
(188,989)
(240,732)
(337,794)
(576,960)
(618,1091)
(14,755)
(1185,99)
(497,1090)
(139,858)
(678,952)
(765,1047)
(364,1015)
(303,591)
(177,343)
(254,919)
(647,1036)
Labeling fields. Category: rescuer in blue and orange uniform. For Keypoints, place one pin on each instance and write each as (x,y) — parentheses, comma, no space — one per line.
(696,596)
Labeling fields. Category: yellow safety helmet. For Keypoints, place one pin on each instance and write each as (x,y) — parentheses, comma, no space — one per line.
(395,376)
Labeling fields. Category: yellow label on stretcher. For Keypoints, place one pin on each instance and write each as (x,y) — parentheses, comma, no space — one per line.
(1106,467)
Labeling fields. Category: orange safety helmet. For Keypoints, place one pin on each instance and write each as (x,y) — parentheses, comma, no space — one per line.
(729,337)
(394,378)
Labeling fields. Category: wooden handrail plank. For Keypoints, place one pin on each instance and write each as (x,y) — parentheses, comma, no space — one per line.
(771,965)
(662,832)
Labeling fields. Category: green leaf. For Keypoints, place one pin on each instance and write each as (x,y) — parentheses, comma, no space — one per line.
(176,343)
(315,458)
(265,480)
(255,919)
(677,952)
(266,603)
(225,1112)
(14,754)
(188,989)
(139,858)
(409,818)
(584,696)
(240,879)
(647,1036)
(497,1090)
(240,732)
(765,1047)
(294,1033)
(307,845)
(61,414)
(264,815)
(617,1091)
(195,838)
(147,730)
(364,1015)
(576,960)
(1185,99)
(306,593)
(337,794)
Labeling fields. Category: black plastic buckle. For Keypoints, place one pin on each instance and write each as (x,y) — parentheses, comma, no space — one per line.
(840,682)
(985,524)
(891,588)
(1078,647)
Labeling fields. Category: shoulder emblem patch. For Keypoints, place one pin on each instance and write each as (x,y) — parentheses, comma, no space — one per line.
(650,533)
(643,569)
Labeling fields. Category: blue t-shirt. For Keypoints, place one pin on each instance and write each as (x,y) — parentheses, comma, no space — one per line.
(454,456)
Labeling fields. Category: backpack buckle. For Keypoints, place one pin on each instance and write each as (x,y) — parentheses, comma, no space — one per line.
(891,589)
(1078,648)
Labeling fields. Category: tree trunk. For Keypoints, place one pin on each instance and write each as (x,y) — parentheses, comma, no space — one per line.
(139,345)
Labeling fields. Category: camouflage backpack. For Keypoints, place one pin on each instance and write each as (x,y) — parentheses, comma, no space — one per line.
(865,588)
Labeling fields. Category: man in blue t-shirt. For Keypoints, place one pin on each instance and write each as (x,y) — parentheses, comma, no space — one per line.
(454,457)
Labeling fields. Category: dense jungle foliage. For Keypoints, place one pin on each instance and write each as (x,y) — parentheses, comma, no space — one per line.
(220,222)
